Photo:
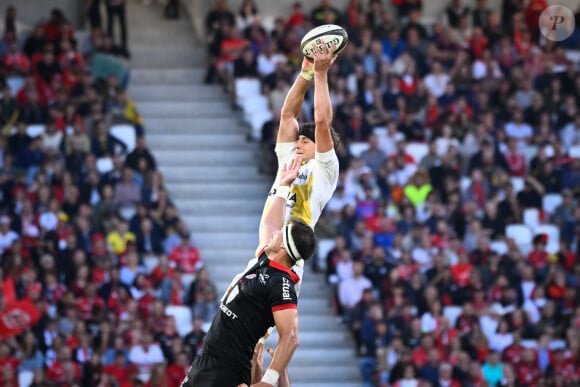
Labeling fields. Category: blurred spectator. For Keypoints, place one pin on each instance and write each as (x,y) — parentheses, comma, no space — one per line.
(116,10)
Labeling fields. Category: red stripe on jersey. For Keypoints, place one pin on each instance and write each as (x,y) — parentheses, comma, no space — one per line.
(283,307)
(283,268)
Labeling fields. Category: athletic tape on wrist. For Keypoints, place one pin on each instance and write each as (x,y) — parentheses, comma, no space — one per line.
(282,191)
(307,74)
(271,377)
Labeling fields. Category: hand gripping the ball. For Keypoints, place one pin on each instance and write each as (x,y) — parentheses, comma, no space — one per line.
(323,56)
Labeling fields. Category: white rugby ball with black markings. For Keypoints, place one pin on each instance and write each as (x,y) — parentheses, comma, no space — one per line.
(330,33)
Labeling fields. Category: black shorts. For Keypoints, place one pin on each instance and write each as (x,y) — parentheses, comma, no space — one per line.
(210,371)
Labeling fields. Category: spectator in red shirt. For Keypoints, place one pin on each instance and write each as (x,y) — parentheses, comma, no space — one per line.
(516,160)
(15,62)
(513,354)
(538,257)
(121,371)
(461,271)
(528,372)
(89,302)
(177,371)
(185,256)
(8,367)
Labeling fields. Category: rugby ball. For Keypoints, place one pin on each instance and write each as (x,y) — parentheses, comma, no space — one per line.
(330,33)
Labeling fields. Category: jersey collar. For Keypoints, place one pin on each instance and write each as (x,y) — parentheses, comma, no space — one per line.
(283,268)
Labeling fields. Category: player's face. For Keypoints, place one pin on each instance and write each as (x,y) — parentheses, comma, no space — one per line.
(305,148)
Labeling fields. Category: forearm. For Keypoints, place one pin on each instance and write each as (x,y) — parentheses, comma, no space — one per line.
(322,104)
(294,98)
(283,353)
(322,113)
(273,218)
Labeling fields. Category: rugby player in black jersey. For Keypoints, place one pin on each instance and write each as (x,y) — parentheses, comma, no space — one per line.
(260,297)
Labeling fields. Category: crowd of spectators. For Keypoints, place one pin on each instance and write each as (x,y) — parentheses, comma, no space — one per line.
(426,274)
(92,249)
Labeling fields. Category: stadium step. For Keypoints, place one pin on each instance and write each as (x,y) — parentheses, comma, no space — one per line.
(185,109)
(232,159)
(195,139)
(167,76)
(193,195)
(200,172)
(218,130)
(153,92)
(210,171)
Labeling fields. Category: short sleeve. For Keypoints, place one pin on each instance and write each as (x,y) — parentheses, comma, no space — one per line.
(285,151)
(282,294)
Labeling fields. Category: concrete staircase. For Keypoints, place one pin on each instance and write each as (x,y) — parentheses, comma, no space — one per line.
(211,174)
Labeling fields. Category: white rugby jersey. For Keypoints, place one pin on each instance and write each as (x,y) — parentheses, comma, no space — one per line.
(310,191)
(312,188)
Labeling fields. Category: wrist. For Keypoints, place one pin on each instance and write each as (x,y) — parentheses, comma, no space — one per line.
(307,74)
(282,191)
(271,377)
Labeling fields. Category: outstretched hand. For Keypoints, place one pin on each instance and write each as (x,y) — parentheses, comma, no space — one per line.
(290,171)
(323,57)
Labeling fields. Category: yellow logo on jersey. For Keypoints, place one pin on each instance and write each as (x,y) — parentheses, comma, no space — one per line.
(300,193)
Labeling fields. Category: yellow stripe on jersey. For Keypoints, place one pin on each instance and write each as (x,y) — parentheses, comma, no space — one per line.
(302,209)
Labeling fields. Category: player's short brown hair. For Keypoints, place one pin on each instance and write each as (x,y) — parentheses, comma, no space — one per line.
(308,129)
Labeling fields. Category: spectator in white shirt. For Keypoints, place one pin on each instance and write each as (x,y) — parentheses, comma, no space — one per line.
(518,129)
(436,81)
(502,338)
(269,59)
(350,290)
(570,133)
(51,138)
(7,236)
(145,355)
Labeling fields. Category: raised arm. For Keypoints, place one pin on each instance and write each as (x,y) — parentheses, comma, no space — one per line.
(288,131)
(287,326)
(323,59)
(273,218)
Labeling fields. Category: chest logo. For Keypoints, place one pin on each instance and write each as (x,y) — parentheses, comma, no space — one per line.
(251,276)
(263,278)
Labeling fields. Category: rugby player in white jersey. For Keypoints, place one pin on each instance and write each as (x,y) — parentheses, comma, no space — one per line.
(313,142)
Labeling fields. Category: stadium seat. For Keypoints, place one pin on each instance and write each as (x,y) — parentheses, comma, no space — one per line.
(417,150)
(256,121)
(531,217)
(324,247)
(150,262)
(15,84)
(530,344)
(557,344)
(553,236)
(465,183)
(247,87)
(25,378)
(356,148)
(452,313)
(575,152)
(35,130)
(104,165)
(182,316)
(518,183)
(529,151)
(186,280)
(499,247)
(522,236)
(380,131)
(550,202)
(126,134)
